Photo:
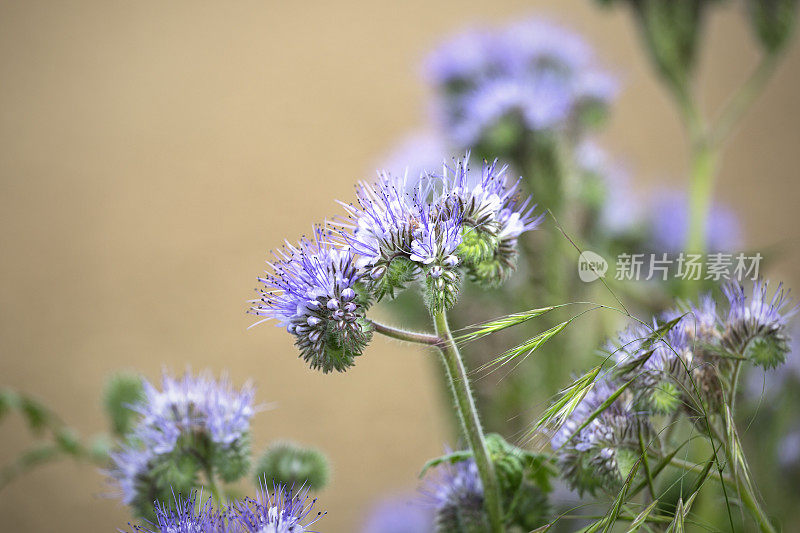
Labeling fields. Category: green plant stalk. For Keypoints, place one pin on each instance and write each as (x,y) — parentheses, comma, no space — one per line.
(216,493)
(701,187)
(470,421)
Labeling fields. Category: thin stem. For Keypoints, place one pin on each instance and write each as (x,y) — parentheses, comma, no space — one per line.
(404,335)
(701,187)
(743,99)
(213,486)
(470,421)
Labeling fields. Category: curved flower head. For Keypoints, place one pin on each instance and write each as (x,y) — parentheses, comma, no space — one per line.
(312,292)
(281,511)
(757,325)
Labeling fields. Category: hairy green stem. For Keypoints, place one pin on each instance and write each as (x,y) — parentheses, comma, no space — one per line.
(404,335)
(470,421)
(701,188)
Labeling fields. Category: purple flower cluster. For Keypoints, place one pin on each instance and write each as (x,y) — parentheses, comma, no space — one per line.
(402,228)
(533,73)
(680,362)
(207,415)
(282,511)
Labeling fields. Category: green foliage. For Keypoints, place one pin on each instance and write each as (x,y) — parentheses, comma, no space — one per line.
(121,393)
(288,463)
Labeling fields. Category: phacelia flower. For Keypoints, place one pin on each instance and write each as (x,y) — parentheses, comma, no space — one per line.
(197,413)
(281,511)
(193,406)
(456,496)
(598,455)
(494,86)
(757,326)
(312,291)
(186,516)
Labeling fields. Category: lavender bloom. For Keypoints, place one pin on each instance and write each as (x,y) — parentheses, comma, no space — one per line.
(533,73)
(531,104)
(399,516)
(591,457)
(282,511)
(187,517)
(758,326)
(312,293)
(457,497)
(193,406)
(670,224)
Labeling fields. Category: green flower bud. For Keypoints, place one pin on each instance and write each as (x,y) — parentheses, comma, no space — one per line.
(441,289)
(495,271)
(768,351)
(665,398)
(293,465)
(122,391)
(477,245)
(458,519)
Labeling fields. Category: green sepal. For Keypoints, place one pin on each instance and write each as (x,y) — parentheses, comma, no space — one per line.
(233,462)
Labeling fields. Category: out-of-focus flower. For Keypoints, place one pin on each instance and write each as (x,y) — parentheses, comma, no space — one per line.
(193,406)
(669,223)
(495,86)
(456,495)
(399,515)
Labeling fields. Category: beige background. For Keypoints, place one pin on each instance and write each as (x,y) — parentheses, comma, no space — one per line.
(152,152)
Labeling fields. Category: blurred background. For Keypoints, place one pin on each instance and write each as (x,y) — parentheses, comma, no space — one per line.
(152,153)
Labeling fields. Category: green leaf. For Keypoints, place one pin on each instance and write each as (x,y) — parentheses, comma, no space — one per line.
(452,458)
